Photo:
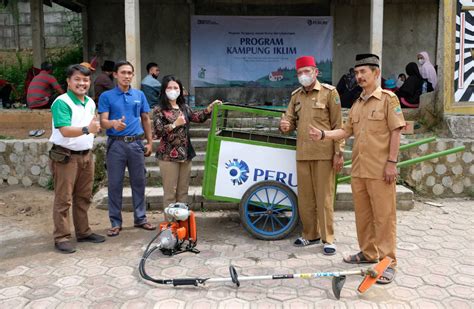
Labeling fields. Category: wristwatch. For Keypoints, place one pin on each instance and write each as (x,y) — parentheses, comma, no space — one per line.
(85,130)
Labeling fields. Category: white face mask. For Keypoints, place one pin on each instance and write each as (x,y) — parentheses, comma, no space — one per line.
(306,80)
(421,61)
(172,94)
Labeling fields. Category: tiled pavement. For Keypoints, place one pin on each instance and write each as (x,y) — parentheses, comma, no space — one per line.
(435,251)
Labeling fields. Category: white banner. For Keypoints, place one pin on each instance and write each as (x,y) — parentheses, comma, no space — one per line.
(256,51)
(242,165)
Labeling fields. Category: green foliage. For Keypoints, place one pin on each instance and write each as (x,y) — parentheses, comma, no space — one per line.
(15,73)
(100,173)
(61,59)
(50,184)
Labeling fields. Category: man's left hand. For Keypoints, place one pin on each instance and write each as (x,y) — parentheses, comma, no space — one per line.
(337,162)
(148,149)
(390,173)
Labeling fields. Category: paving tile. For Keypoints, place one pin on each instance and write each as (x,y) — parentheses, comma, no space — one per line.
(266,304)
(17,271)
(251,292)
(42,292)
(105,304)
(403,293)
(67,271)
(69,281)
(437,280)
(71,292)
(169,304)
(129,293)
(14,303)
(43,303)
(221,293)
(120,271)
(138,303)
(282,293)
(461,291)
(453,302)
(234,304)
(425,304)
(160,293)
(432,292)
(75,303)
(408,281)
(124,282)
(202,303)
(101,293)
(298,304)
(91,271)
(39,271)
(174,272)
(13,291)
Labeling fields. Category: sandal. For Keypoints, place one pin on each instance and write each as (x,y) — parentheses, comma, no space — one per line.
(146,226)
(358,258)
(329,249)
(114,231)
(39,133)
(387,276)
(302,242)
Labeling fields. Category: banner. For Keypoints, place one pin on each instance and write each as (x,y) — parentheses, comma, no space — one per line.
(249,51)
(242,165)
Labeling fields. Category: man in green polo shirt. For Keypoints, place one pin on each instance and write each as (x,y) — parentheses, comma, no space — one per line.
(72,163)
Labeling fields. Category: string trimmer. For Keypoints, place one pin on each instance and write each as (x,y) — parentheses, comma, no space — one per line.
(181,227)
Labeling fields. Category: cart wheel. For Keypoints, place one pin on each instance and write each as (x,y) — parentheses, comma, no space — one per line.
(269,210)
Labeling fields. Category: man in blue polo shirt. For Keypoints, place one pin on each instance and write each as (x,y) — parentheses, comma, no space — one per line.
(124,113)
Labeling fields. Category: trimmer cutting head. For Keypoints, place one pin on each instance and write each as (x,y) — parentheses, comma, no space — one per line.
(374,273)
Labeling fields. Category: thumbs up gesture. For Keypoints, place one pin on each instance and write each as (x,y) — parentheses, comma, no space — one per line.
(180,120)
(284,124)
(119,124)
(94,125)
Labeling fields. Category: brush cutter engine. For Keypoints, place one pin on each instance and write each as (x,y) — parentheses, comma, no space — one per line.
(178,233)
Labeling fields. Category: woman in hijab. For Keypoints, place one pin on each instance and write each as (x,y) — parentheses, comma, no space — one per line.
(410,91)
(427,69)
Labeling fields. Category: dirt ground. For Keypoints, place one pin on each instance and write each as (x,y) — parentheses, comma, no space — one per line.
(26,213)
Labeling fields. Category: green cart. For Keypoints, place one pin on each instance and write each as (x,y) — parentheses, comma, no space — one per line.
(248,161)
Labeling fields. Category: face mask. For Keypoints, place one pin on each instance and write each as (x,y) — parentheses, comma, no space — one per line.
(172,94)
(421,61)
(305,80)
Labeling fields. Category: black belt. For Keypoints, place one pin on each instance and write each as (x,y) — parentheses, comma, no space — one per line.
(127,139)
(80,152)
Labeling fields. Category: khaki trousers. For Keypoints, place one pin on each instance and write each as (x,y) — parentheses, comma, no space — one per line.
(175,177)
(72,187)
(376,217)
(316,199)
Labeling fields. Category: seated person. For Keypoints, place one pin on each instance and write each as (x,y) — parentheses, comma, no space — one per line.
(348,89)
(43,89)
(401,79)
(427,70)
(5,91)
(411,89)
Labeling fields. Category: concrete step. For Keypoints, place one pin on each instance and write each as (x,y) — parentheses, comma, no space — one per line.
(154,175)
(198,159)
(154,199)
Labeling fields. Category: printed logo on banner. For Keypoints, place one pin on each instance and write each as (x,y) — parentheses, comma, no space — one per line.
(238,171)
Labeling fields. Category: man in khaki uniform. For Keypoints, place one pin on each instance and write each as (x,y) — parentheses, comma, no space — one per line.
(375,120)
(316,163)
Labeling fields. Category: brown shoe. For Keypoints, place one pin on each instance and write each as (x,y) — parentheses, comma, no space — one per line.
(65,247)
